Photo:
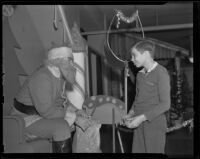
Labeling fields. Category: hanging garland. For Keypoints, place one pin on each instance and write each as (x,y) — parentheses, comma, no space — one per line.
(180,98)
(179,126)
(121,16)
(178,104)
(170,129)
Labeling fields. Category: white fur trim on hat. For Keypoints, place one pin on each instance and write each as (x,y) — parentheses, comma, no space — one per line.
(60,52)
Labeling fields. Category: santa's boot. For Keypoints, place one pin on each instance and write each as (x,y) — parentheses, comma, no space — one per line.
(62,146)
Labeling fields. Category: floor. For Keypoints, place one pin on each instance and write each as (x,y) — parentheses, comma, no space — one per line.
(179,142)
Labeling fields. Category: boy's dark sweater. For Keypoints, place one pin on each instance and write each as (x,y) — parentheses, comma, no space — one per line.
(152,93)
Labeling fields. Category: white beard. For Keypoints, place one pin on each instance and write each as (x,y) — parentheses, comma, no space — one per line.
(54,70)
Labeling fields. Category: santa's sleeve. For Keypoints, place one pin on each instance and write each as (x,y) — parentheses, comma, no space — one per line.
(41,91)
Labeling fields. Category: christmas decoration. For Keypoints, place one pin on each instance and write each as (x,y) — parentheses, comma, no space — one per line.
(179,126)
(181,109)
(121,16)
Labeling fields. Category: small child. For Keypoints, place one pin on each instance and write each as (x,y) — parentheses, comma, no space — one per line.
(152,100)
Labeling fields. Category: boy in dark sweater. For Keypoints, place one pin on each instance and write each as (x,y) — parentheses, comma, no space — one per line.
(151,102)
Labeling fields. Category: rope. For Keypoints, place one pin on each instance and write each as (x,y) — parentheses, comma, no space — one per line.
(141,26)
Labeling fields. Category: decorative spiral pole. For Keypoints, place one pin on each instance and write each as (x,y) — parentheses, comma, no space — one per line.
(121,16)
(76,97)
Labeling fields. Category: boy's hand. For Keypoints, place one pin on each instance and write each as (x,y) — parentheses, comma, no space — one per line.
(126,117)
(135,121)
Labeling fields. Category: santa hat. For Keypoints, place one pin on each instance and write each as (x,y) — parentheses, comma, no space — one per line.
(60,52)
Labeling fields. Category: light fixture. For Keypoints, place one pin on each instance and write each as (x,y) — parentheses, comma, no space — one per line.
(8,10)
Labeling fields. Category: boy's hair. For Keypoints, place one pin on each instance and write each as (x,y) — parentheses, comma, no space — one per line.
(145,45)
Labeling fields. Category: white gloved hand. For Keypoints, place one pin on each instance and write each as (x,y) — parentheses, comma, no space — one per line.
(70,117)
(82,113)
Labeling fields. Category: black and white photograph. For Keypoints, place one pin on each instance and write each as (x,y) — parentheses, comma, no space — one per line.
(98,79)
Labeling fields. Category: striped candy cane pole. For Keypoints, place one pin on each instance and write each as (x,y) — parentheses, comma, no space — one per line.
(76,97)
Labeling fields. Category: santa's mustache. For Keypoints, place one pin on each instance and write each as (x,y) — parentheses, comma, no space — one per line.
(70,76)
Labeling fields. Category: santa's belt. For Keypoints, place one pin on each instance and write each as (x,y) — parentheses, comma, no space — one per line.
(29,110)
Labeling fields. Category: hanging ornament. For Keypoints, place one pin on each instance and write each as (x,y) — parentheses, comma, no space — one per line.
(55,25)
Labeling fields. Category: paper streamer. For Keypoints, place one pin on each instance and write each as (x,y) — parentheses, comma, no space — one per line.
(76,97)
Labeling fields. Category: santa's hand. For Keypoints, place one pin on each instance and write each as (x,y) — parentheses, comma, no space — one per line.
(82,113)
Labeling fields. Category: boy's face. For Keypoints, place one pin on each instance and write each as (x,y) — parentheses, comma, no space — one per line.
(138,58)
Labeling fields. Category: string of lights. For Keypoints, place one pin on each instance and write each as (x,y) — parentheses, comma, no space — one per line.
(174,128)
